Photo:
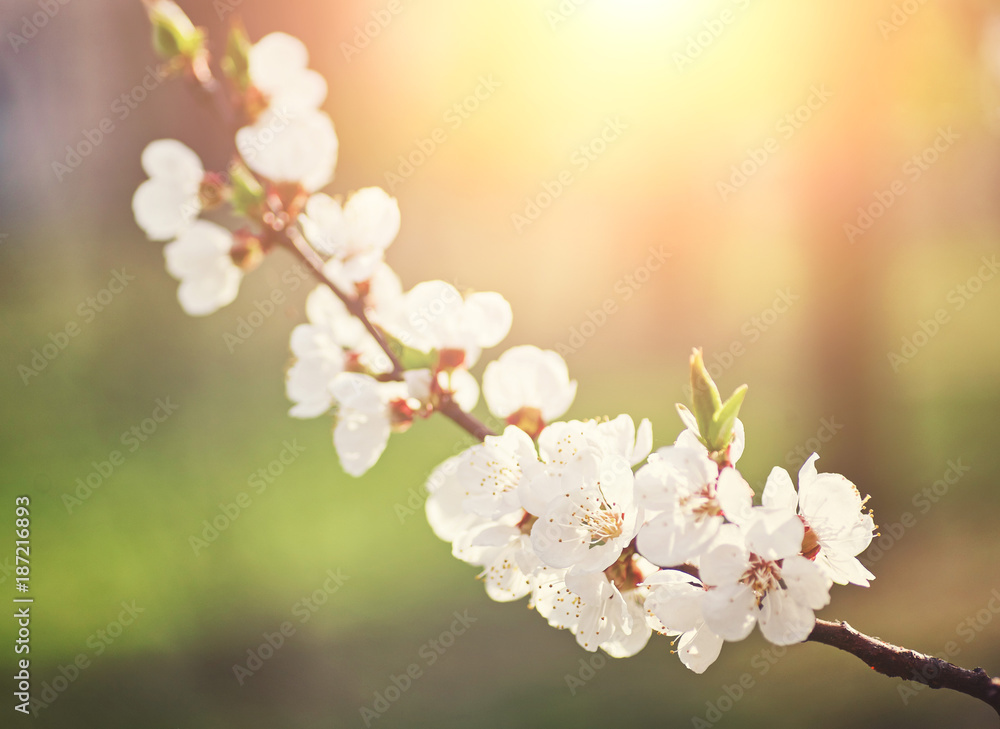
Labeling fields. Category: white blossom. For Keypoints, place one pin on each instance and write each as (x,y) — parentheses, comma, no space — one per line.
(435,316)
(526,381)
(365,416)
(168,202)
(492,471)
(200,259)
(333,339)
(594,517)
(837,527)
(357,234)
(277,65)
(595,609)
(674,602)
(297,146)
(679,483)
(765,580)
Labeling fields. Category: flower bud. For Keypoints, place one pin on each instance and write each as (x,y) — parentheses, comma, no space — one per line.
(705,400)
(247,251)
(236,63)
(716,419)
(173,32)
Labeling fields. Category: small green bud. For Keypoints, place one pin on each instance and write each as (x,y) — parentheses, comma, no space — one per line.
(173,32)
(715,420)
(247,193)
(236,63)
(705,400)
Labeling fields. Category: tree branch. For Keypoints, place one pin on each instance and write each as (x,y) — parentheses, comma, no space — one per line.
(354,305)
(475,427)
(894,661)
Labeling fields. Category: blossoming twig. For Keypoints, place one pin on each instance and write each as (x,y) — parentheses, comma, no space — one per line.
(610,540)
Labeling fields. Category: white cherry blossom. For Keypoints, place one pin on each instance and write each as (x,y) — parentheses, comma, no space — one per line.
(564,445)
(593,519)
(499,545)
(295,146)
(491,472)
(277,65)
(506,555)
(200,259)
(674,603)
(435,316)
(837,527)
(365,413)
(680,483)
(358,233)
(528,386)
(772,585)
(333,340)
(168,202)
(599,612)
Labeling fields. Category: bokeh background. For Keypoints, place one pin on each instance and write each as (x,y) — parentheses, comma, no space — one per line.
(892,77)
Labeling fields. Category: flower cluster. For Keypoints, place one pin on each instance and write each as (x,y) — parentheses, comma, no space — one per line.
(613,542)
(360,320)
(286,150)
(605,538)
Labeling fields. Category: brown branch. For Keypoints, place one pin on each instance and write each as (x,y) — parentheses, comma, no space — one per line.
(447,407)
(301,248)
(475,427)
(894,661)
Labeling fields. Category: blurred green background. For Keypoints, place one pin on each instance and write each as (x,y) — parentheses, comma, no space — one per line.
(819,369)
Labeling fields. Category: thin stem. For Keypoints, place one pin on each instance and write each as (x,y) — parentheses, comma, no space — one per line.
(447,407)
(355,306)
(894,661)
(450,409)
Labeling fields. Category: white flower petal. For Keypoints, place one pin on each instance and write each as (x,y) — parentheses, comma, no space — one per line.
(200,259)
(774,534)
(527,376)
(699,648)
(689,420)
(783,620)
(463,386)
(779,492)
(730,611)
(669,541)
(294,147)
(724,565)
(360,440)
(277,66)
(735,497)
(444,502)
(171,160)
(373,219)
(806,582)
(488,318)
(677,604)
(643,442)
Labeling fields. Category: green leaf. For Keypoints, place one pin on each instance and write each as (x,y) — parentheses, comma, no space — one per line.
(705,400)
(236,62)
(724,421)
(246,191)
(410,358)
(173,32)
